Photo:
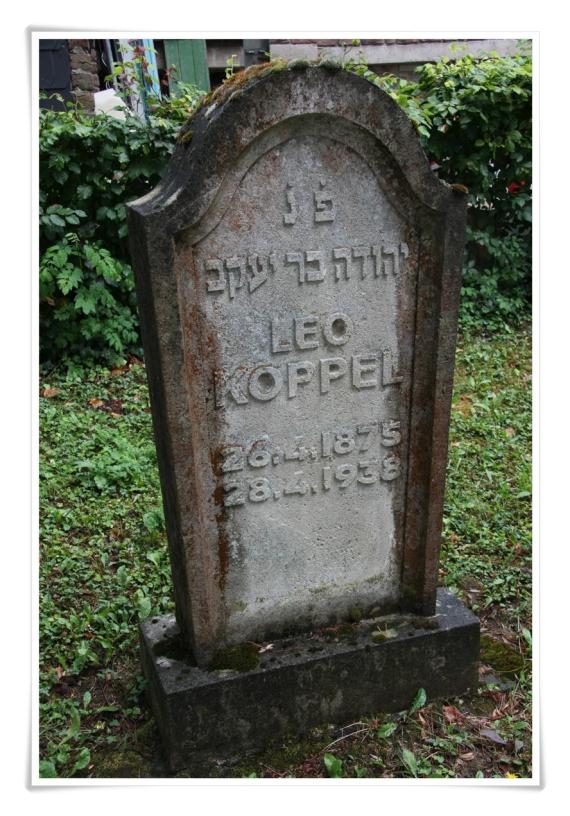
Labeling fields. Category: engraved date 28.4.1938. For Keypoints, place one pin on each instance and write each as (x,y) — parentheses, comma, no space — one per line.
(369,443)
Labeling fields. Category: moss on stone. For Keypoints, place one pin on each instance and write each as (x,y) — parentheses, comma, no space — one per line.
(339,631)
(331,64)
(242,658)
(124,764)
(233,87)
(355,614)
(502,657)
(238,80)
(286,756)
(298,64)
(185,136)
(425,623)
(172,648)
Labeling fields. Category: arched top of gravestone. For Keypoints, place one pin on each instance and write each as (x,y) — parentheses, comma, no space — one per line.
(298,273)
(261,107)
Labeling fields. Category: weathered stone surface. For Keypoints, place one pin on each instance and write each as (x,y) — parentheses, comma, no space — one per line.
(334,677)
(84,76)
(84,81)
(298,275)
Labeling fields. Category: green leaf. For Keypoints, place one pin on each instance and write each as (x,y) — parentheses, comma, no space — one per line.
(528,637)
(122,575)
(333,766)
(386,730)
(75,723)
(86,699)
(85,302)
(83,760)
(47,769)
(419,701)
(409,761)
(100,481)
(69,278)
(154,557)
(143,607)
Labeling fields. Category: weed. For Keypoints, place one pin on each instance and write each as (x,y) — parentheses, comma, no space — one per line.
(104,565)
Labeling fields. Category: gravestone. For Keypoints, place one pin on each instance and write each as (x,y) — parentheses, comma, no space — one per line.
(298,273)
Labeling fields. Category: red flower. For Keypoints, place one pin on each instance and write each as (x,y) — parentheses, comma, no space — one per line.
(515,186)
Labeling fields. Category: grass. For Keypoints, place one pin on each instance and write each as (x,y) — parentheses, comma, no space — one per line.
(104,564)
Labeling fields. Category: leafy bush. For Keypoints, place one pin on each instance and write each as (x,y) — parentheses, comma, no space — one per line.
(88,302)
(474,118)
(90,167)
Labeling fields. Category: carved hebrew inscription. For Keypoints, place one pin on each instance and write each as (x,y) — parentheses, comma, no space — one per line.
(308,266)
(303,283)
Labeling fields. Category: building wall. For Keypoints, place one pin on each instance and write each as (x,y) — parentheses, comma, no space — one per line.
(399,57)
(84,72)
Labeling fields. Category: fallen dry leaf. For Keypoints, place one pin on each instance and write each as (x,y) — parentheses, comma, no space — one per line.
(492,735)
(467,757)
(49,392)
(452,714)
(96,403)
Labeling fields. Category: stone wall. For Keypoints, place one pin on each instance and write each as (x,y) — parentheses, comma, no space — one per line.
(399,57)
(84,76)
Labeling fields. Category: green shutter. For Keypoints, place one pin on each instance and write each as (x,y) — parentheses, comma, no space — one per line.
(189,58)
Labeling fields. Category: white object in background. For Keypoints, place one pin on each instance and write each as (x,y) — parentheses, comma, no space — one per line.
(110,103)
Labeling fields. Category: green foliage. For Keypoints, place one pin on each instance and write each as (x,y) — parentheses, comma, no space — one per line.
(410,761)
(386,730)
(88,302)
(90,167)
(104,564)
(419,701)
(487,520)
(474,115)
(177,108)
(333,766)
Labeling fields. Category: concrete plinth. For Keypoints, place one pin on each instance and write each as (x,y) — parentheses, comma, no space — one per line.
(336,675)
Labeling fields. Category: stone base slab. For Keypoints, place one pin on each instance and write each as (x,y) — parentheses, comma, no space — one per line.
(335,675)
